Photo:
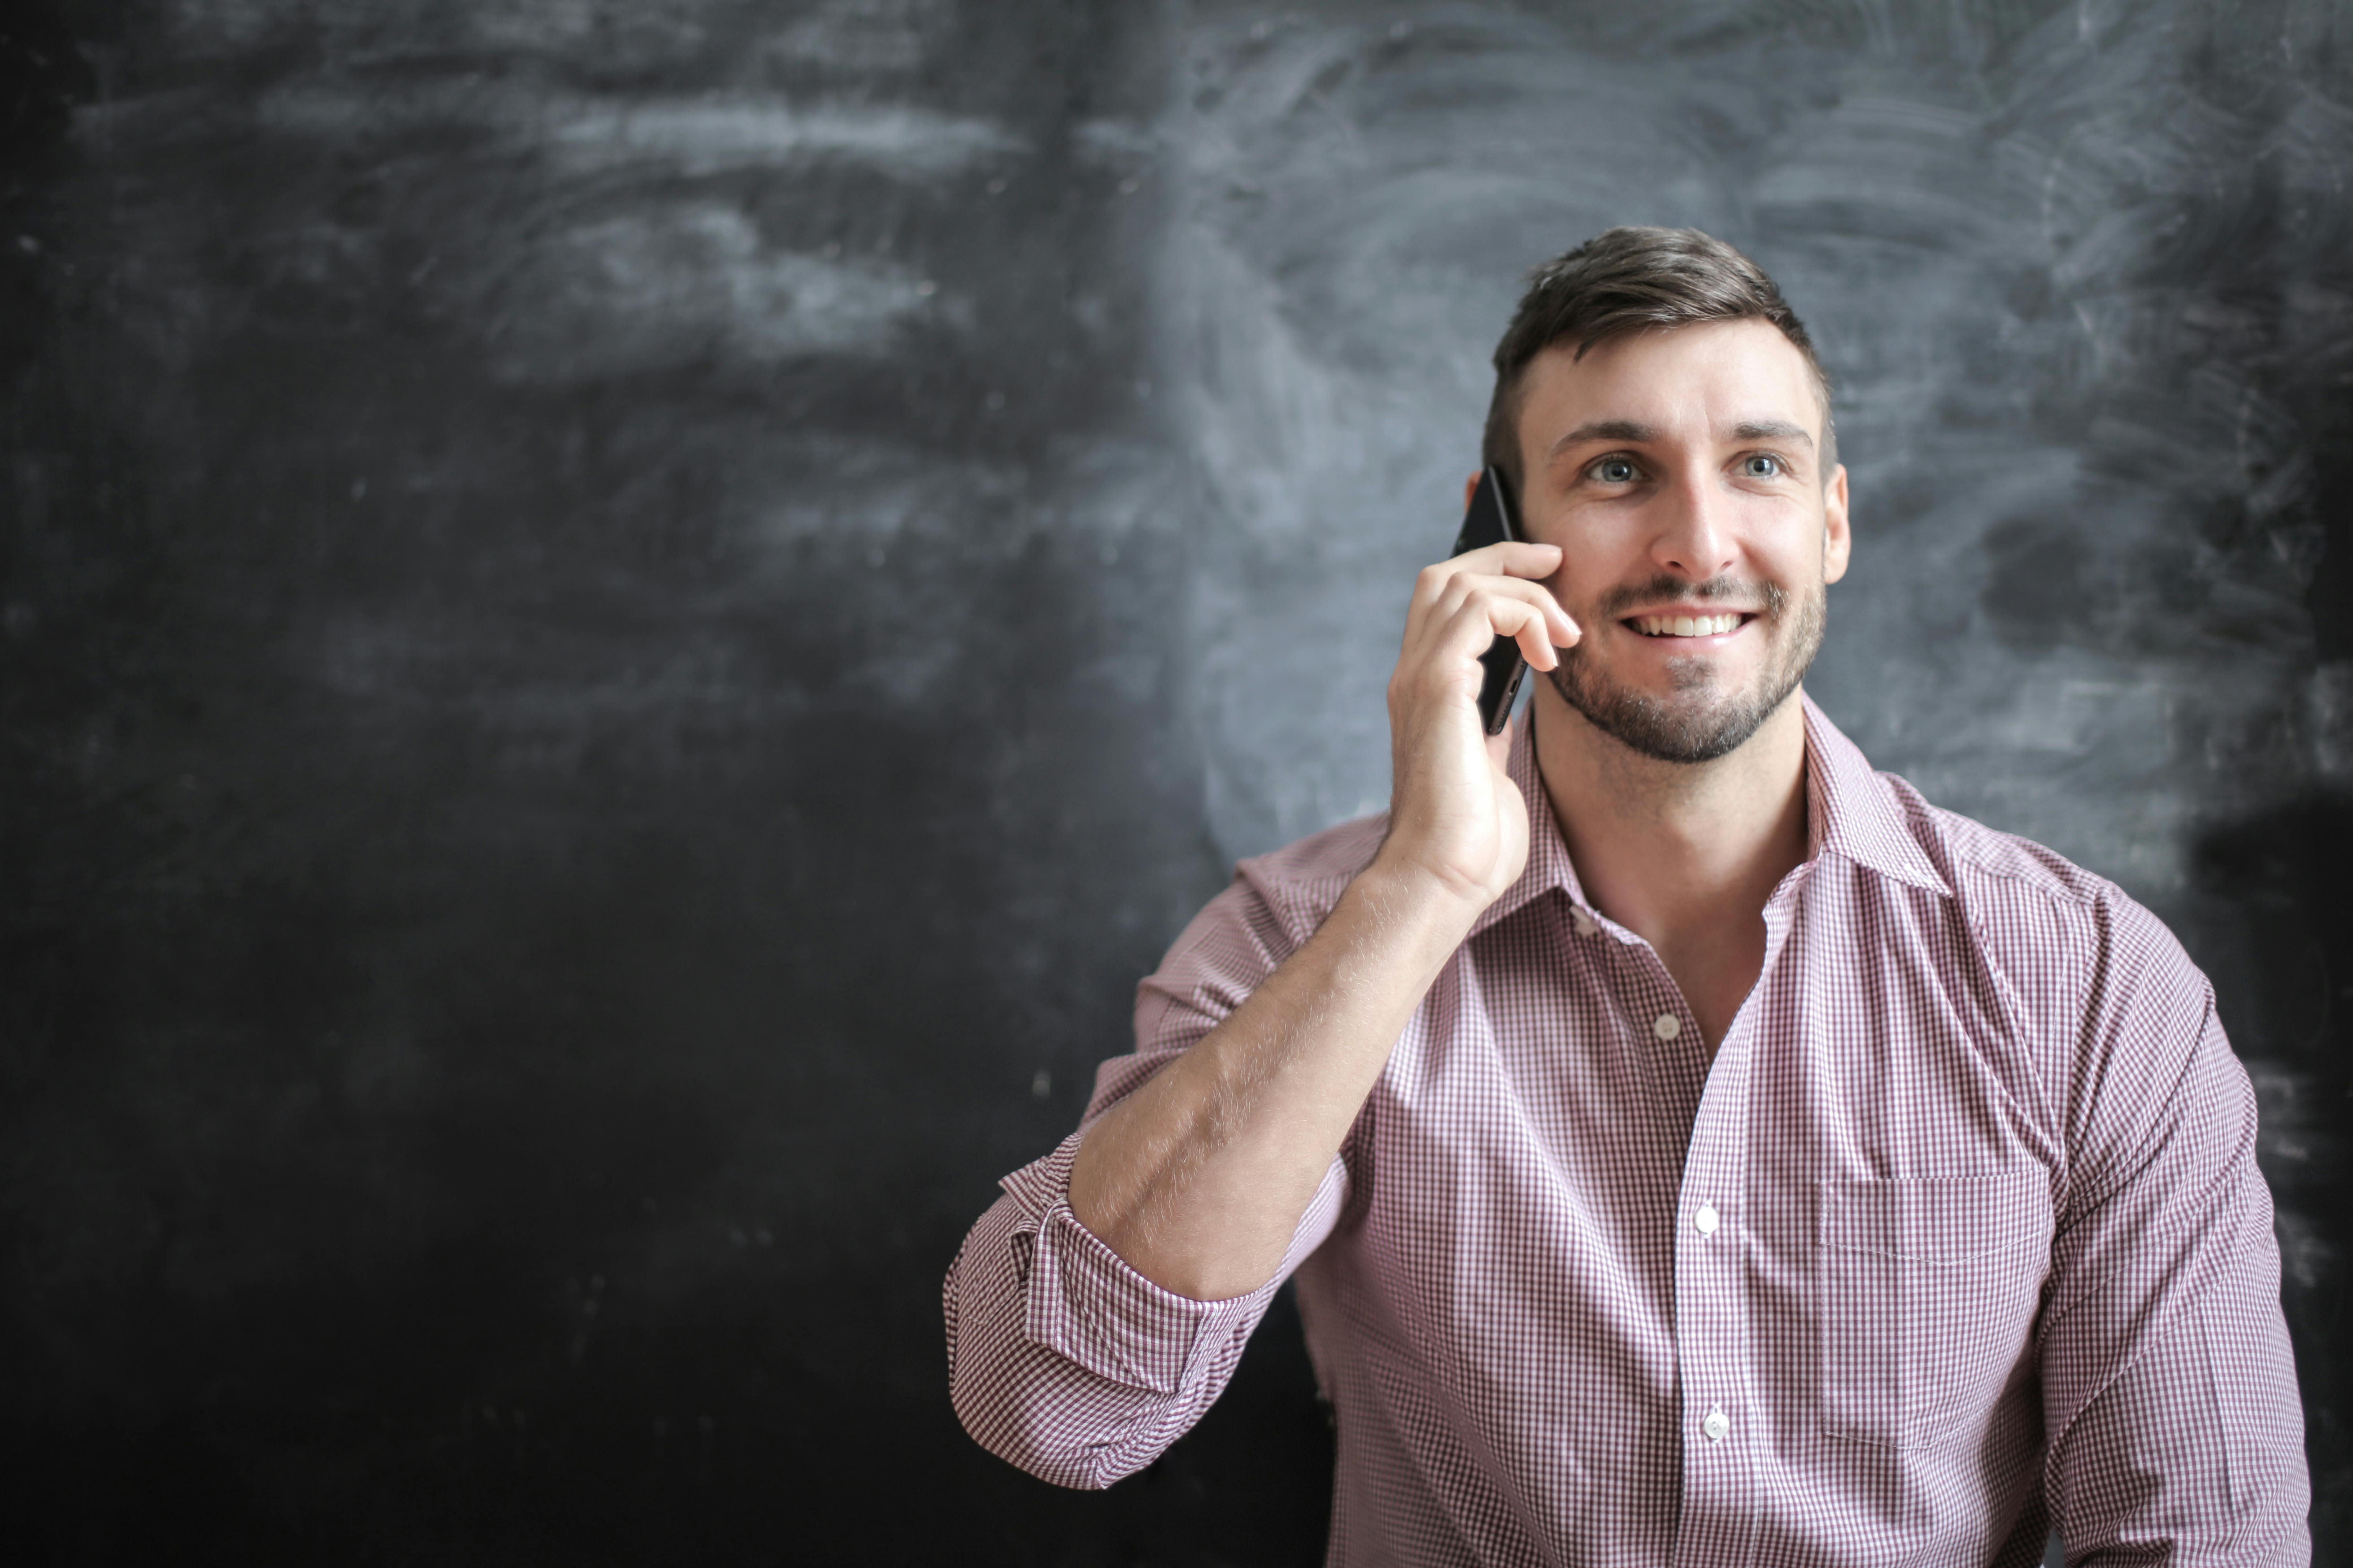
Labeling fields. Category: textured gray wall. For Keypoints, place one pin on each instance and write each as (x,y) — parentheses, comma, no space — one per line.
(626,625)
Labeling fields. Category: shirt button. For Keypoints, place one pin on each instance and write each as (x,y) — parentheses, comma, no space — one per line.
(1582,922)
(1705,1219)
(1717,1426)
(1667,1026)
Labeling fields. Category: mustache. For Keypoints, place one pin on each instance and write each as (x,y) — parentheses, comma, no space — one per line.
(1770,598)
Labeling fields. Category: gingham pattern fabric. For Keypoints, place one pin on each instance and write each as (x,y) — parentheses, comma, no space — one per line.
(1958,1236)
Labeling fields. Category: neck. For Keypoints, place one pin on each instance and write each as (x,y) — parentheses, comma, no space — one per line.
(1676,852)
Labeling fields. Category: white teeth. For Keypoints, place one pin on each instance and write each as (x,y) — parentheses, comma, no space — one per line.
(1685,626)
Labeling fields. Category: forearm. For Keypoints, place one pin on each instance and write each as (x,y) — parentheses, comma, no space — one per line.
(1199,1178)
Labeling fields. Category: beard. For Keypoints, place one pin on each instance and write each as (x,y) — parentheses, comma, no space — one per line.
(1697,723)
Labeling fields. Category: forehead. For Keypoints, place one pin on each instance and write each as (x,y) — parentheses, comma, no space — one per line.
(1684,381)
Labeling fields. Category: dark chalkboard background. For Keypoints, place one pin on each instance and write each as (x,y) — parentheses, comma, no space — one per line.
(623,625)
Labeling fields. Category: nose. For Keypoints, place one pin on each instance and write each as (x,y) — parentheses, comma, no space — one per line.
(1694,537)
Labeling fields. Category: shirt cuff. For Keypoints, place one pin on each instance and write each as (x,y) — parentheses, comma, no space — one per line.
(1081,1300)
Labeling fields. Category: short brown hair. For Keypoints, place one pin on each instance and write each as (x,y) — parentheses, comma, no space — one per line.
(1625,280)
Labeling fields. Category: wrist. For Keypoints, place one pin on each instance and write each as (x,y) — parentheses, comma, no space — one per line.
(1416,904)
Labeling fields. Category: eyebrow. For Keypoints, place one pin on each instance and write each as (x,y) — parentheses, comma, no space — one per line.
(1603,430)
(1634,430)
(1772,430)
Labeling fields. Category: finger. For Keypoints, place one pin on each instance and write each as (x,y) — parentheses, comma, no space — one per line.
(1510,558)
(1556,626)
(1483,616)
(1535,635)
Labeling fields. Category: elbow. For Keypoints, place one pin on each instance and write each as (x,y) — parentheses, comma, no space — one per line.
(1022,1423)
(1024,1400)
(1011,1396)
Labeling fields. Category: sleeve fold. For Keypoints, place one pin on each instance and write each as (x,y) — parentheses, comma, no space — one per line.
(1065,1360)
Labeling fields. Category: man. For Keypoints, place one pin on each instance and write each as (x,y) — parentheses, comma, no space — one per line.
(1691,1146)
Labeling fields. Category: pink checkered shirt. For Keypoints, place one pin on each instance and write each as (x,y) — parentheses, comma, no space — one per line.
(1958,1237)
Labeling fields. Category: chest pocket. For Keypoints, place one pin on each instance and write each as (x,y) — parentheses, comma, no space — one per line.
(1925,1294)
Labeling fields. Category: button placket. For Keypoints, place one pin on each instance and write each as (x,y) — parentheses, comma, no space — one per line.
(1714,1354)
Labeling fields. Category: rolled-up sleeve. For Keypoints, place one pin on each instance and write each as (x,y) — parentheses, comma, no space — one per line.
(1062,1359)
(2169,1389)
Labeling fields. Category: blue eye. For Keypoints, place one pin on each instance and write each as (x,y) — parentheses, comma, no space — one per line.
(1762,465)
(1614,471)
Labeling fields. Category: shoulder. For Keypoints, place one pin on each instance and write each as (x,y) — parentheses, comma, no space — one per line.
(1980,860)
(1890,830)
(2033,911)
(1299,883)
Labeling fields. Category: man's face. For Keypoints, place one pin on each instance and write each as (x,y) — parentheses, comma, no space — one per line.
(1677,470)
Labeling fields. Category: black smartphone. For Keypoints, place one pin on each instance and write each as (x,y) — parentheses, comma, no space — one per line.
(1488,521)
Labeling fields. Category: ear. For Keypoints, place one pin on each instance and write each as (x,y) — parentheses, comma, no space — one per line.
(1470,488)
(1837,538)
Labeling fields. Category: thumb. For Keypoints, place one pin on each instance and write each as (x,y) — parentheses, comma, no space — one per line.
(1499,745)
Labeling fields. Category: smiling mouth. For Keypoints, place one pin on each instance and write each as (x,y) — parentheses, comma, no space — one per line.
(1686,626)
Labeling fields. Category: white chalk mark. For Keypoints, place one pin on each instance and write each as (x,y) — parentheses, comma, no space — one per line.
(589,133)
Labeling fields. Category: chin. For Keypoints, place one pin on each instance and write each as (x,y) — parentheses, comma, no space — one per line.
(1694,721)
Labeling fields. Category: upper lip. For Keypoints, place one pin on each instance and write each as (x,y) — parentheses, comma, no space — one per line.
(1694,611)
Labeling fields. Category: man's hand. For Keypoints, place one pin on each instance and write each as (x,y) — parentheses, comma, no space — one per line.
(1457,823)
(1200,1177)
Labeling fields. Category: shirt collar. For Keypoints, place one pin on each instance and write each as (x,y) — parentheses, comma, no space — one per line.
(1849,812)
(1854,814)
(1549,864)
